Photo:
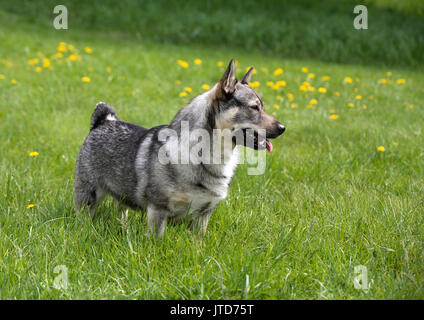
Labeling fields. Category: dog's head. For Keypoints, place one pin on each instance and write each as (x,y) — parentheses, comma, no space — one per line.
(241,110)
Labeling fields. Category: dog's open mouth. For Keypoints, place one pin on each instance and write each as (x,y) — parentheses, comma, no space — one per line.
(252,139)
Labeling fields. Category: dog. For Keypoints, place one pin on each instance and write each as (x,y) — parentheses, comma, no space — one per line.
(121,159)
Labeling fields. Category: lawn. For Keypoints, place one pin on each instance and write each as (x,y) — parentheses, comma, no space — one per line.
(343,187)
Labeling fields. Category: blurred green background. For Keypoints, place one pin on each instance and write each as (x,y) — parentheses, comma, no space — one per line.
(290,29)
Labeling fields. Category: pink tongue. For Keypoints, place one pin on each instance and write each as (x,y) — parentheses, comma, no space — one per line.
(268,145)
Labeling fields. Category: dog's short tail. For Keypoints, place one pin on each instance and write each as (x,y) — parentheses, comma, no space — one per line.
(102,113)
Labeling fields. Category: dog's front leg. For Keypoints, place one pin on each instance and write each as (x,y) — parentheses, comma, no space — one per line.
(156,218)
(200,223)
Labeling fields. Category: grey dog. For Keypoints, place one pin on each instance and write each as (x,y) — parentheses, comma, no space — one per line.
(121,159)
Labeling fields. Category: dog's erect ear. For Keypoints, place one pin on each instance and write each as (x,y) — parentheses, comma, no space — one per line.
(228,81)
(247,76)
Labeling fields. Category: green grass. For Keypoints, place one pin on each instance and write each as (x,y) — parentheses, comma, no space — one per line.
(328,201)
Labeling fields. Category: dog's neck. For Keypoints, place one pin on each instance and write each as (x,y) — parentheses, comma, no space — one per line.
(201,114)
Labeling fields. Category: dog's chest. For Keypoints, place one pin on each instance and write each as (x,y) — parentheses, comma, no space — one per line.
(194,201)
(209,191)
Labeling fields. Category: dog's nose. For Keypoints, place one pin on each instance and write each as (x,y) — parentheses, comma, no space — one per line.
(281,128)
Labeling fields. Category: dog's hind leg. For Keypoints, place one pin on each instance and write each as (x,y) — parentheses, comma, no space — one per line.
(86,194)
(156,219)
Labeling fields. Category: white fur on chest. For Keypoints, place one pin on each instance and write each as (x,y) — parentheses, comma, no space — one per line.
(195,201)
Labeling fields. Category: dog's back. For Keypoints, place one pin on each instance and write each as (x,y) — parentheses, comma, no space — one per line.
(105,163)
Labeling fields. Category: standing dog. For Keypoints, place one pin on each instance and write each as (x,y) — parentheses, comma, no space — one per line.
(122,159)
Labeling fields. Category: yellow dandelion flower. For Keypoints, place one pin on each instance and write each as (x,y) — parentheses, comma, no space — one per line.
(383,81)
(85,79)
(178,82)
(254,84)
(30,206)
(46,62)
(348,80)
(276,106)
(32,62)
(309,106)
(40,54)
(293,105)
(303,88)
(358,97)
(381,149)
(311,88)
(88,50)
(337,94)
(197,62)
(269,83)
(278,71)
(411,106)
(322,90)
(220,63)
(281,83)
(188,89)
(364,106)
(74,57)
(182,63)
(350,105)
(334,116)
(108,69)
(71,47)
(62,47)
(205,86)
(311,75)
(332,111)
(290,96)
(38,69)
(279,97)
(313,101)
(304,69)
(2,76)
(183,94)
(325,78)
(400,81)
(389,74)
(13,81)
(57,56)
(33,154)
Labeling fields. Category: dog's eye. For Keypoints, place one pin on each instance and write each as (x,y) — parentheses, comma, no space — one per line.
(256,107)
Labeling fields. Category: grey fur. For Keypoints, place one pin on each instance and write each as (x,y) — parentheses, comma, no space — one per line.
(121,159)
